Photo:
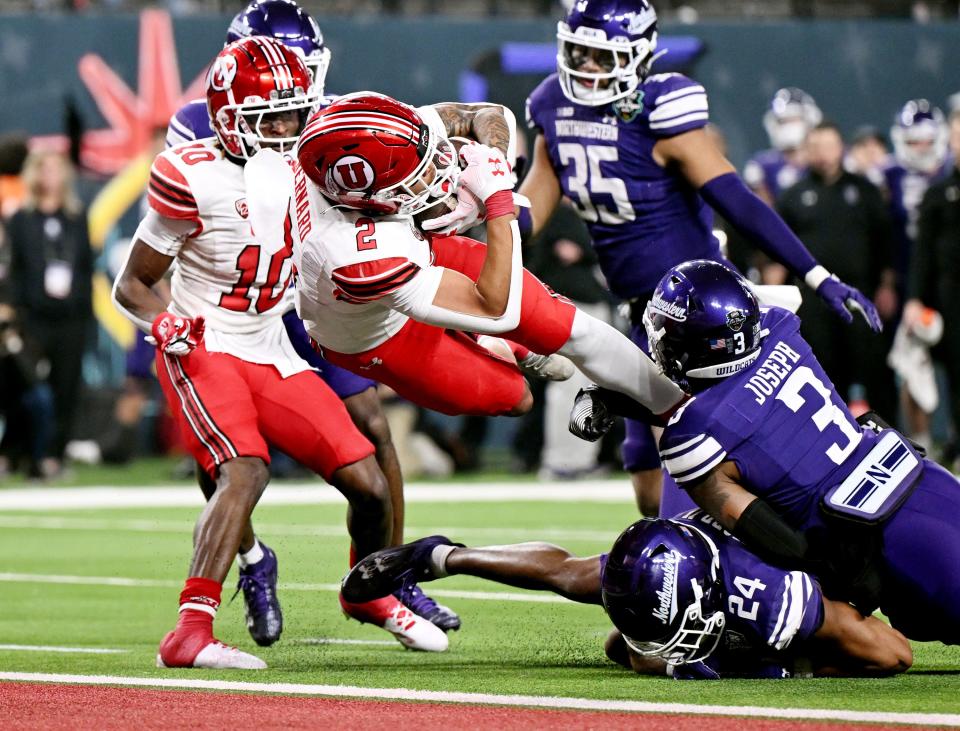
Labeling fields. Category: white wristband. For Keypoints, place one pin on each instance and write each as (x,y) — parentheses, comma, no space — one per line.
(816,276)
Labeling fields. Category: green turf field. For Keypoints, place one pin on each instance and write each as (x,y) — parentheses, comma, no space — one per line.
(504,646)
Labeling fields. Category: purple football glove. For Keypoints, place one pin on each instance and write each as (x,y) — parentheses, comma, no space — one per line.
(845,300)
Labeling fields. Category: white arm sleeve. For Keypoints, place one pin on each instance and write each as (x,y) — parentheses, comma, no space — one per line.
(163,234)
(415,299)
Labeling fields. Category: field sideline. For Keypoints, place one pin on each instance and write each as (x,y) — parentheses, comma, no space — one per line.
(90,591)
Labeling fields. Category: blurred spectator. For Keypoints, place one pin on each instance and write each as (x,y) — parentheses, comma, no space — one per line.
(51,269)
(842,219)
(26,402)
(791,115)
(868,154)
(789,118)
(13,152)
(919,135)
(935,271)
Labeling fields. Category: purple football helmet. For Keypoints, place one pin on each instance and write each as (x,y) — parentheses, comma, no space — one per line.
(284,21)
(703,322)
(662,588)
(792,114)
(619,35)
(920,135)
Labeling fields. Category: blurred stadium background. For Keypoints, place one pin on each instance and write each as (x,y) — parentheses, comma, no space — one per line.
(98,79)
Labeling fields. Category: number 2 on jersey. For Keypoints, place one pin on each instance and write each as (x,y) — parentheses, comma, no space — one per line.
(746,587)
(366,228)
(586,180)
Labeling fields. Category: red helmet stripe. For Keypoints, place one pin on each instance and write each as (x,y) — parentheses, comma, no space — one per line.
(363,120)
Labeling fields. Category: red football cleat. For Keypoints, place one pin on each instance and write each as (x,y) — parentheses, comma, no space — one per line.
(411,630)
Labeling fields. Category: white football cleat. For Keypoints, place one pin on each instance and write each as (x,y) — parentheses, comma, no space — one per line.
(217,656)
(553,367)
(411,630)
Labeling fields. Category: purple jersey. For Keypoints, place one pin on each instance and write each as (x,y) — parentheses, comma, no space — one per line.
(905,190)
(782,423)
(769,612)
(769,169)
(643,218)
(766,607)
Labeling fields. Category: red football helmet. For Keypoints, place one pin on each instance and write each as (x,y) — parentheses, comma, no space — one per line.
(373,153)
(250,79)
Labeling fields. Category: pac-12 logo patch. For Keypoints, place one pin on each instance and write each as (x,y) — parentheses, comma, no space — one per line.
(241,206)
(223,73)
(735,319)
(353,173)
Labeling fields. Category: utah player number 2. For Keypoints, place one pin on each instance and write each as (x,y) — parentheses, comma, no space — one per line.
(586,180)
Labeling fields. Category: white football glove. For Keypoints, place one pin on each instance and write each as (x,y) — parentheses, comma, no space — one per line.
(485,172)
(468,213)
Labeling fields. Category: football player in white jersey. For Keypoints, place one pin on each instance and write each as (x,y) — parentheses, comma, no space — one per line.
(382,299)
(225,363)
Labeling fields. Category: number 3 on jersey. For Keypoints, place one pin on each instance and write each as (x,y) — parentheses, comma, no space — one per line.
(586,181)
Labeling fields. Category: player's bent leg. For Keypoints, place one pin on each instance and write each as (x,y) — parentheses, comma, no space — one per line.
(218,420)
(647,485)
(442,370)
(608,358)
(367,414)
(257,580)
(921,555)
(216,538)
(365,410)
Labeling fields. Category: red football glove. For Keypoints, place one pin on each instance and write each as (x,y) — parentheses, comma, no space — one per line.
(177,335)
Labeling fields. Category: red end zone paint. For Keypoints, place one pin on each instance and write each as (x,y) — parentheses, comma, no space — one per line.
(34,706)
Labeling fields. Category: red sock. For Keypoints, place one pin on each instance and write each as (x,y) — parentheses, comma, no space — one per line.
(199,601)
(353,555)
(519,351)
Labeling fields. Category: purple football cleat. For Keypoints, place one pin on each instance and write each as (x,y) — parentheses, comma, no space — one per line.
(417,602)
(258,582)
(392,571)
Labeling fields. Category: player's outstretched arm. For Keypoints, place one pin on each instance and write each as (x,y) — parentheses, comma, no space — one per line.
(704,166)
(539,566)
(850,644)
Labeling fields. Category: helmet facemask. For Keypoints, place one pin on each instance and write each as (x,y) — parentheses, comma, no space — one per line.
(238,124)
(625,64)
(431,183)
(703,620)
(695,639)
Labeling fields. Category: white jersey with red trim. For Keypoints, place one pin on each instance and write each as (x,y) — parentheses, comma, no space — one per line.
(346,262)
(222,273)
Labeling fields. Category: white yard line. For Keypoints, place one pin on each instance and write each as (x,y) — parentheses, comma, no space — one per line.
(85,498)
(344,641)
(588,704)
(58,650)
(40,522)
(501,596)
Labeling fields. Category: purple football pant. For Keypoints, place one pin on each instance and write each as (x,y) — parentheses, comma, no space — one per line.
(639,449)
(921,548)
(341,381)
